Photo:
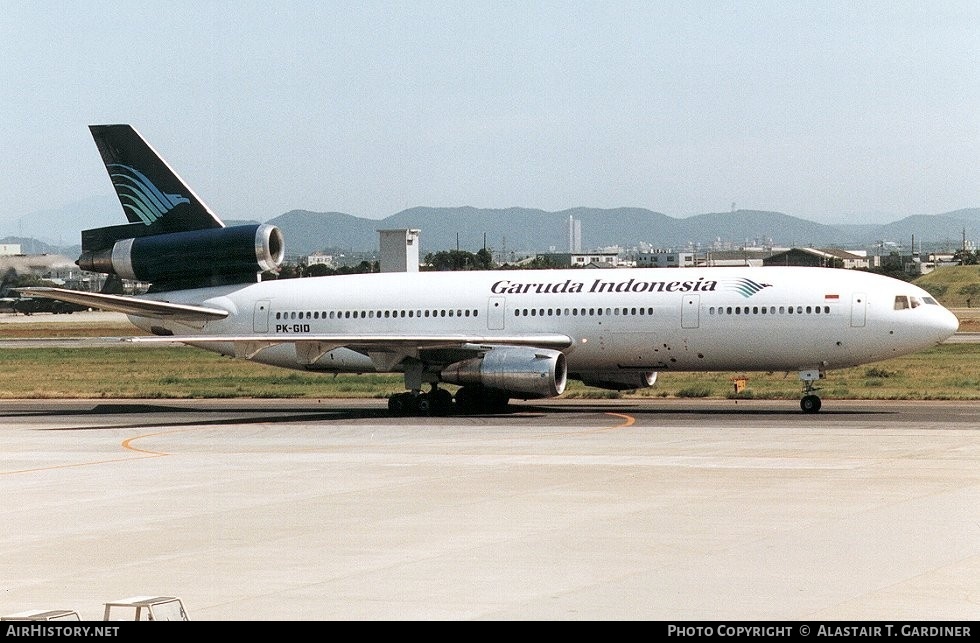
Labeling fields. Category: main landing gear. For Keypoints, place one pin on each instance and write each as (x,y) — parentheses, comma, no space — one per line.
(436,402)
(414,402)
(468,399)
(474,398)
(471,398)
(810,403)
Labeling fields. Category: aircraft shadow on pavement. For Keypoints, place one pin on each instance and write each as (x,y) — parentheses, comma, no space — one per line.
(652,409)
(238,415)
(267,414)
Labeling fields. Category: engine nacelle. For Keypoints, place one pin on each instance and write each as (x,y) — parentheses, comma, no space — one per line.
(525,372)
(618,380)
(191,255)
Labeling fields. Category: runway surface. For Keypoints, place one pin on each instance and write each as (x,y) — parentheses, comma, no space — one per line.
(566,510)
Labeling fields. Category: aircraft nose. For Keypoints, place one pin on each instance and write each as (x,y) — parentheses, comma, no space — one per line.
(945,324)
(953,321)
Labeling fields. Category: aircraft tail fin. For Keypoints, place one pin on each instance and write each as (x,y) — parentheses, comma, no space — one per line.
(172,239)
(150,192)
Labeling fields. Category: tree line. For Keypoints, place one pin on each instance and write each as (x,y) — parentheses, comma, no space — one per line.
(444,260)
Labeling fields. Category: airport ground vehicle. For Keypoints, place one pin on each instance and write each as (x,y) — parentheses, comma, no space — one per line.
(42,615)
(133,608)
(145,608)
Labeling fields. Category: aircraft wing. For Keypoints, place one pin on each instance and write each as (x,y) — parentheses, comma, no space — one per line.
(369,342)
(373,342)
(128,305)
(384,349)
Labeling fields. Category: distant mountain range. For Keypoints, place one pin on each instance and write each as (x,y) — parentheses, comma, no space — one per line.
(525,231)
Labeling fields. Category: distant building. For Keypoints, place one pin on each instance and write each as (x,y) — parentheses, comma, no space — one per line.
(917,265)
(940,259)
(58,269)
(399,250)
(745,257)
(9,249)
(320,259)
(665,259)
(571,260)
(850,259)
(574,235)
(827,258)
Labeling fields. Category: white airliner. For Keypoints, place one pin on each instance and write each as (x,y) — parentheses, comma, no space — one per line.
(499,335)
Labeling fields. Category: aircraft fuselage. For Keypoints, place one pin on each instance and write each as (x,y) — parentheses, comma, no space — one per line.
(656,319)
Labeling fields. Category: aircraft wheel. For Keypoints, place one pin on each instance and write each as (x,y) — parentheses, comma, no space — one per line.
(465,399)
(402,404)
(496,401)
(478,399)
(424,405)
(810,403)
(442,401)
(396,404)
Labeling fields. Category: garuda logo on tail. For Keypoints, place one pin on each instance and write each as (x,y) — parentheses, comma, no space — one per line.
(138,194)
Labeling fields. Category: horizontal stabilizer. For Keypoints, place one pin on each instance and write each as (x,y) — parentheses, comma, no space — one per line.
(129,305)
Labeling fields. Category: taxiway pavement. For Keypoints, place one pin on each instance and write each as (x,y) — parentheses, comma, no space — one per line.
(564,510)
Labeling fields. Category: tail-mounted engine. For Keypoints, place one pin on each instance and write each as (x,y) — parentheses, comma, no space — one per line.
(185,259)
(521,371)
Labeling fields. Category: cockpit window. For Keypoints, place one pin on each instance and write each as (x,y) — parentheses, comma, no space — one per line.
(904,302)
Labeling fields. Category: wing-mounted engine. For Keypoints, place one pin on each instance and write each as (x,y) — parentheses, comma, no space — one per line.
(187,259)
(522,371)
(617,380)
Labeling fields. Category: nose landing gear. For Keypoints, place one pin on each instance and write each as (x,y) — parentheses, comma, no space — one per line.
(810,402)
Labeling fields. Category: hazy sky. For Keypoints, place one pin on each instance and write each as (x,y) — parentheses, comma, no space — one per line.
(830,111)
